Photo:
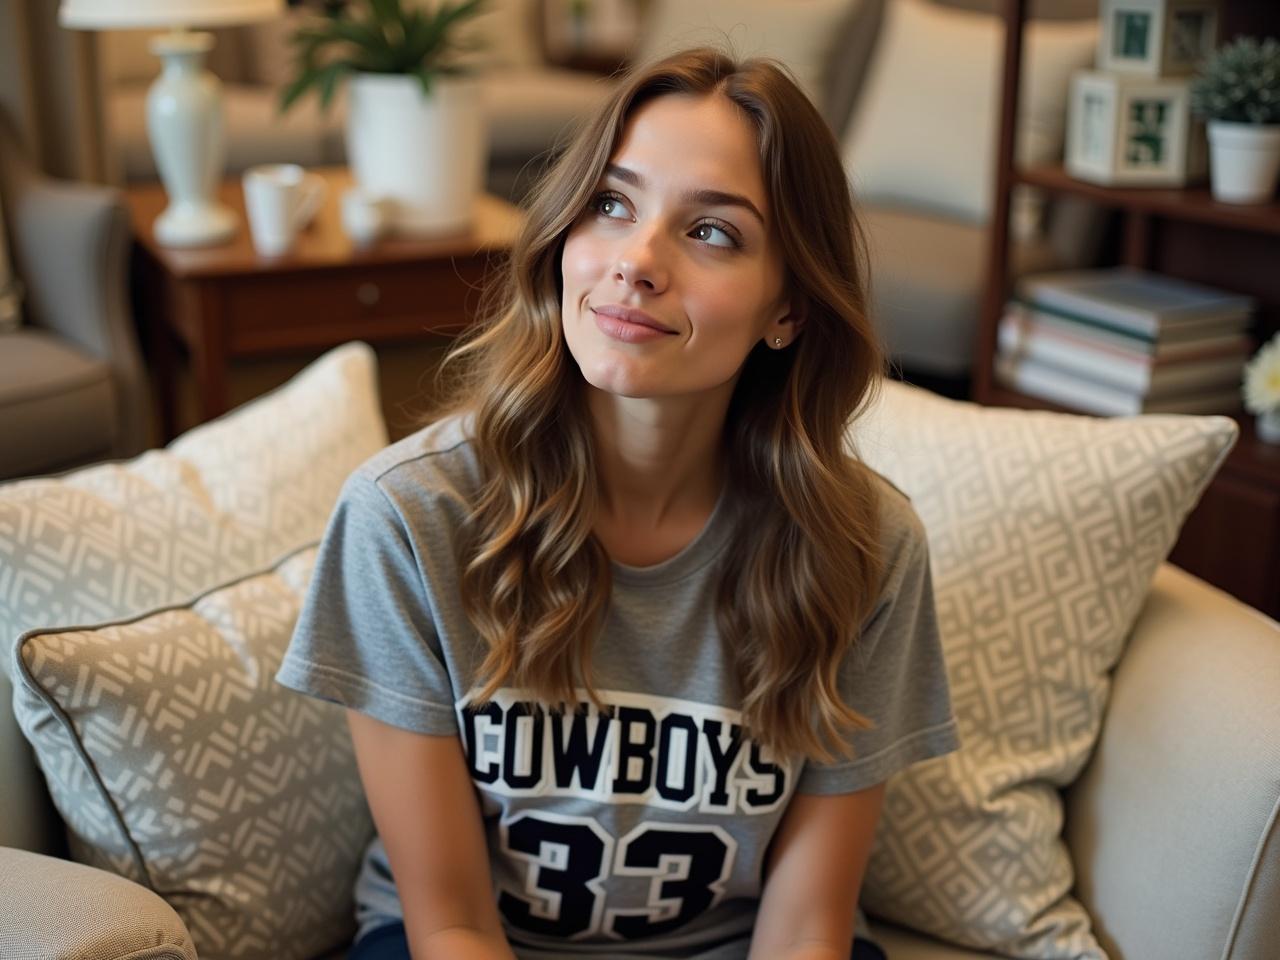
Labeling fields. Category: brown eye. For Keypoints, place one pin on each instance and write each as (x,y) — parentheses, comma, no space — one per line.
(706,228)
(606,204)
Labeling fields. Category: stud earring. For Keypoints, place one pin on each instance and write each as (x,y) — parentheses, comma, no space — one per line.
(777,341)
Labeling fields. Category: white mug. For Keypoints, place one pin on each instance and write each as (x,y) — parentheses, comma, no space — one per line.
(365,217)
(280,199)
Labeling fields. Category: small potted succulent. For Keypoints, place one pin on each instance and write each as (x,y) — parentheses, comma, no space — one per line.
(1262,390)
(415,132)
(1237,90)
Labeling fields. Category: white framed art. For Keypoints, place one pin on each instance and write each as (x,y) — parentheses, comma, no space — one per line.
(1156,38)
(1132,131)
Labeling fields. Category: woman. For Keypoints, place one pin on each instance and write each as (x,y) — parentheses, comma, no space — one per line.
(629,643)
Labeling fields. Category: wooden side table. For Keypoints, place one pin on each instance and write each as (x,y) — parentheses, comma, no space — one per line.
(226,302)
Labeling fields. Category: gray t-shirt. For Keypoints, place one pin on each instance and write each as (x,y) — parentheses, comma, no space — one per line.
(640,832)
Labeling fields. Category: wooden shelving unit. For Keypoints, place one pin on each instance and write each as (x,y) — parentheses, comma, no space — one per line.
(1232,539)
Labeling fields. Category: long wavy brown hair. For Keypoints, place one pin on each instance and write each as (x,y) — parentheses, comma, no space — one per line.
(800,575)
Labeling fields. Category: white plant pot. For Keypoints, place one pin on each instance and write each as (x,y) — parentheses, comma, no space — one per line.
(424,153)
(1244,161)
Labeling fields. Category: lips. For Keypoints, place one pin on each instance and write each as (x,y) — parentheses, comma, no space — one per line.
(631,315)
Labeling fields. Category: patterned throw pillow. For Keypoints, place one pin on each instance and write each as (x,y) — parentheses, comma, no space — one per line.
(222,500)
(120,539)
(233,798)
(1044,531)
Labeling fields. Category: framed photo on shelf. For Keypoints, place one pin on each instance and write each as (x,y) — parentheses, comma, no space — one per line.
(1156,38)
(1130,131)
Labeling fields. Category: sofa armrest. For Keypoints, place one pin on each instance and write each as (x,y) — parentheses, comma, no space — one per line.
(53,909)
(1173,825)
(70,245)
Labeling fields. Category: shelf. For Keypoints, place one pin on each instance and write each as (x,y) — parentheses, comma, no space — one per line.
(1193,204)
(1250,456)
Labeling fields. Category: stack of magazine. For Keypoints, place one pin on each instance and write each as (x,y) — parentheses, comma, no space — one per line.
(1120,341)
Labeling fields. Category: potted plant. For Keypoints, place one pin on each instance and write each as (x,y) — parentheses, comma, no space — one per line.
(415,130)
(1237,91)
(1262,390)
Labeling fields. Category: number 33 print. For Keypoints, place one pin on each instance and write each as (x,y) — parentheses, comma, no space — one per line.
(569,859)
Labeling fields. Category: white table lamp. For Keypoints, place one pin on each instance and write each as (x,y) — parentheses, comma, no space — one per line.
(184,105)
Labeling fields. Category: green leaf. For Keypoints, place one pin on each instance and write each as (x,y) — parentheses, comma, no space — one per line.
(329,77)
(391,37)
(386,11)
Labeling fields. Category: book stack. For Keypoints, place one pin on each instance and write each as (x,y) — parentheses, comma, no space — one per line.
(1120,341)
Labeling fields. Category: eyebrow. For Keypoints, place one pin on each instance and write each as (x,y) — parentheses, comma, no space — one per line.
(714,198)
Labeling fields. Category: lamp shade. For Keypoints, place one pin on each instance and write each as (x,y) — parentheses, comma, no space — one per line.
(123,14)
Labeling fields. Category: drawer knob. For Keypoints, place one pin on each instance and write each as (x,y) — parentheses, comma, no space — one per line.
(368,294)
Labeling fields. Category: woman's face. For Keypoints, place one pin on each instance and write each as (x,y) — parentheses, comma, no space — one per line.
(680,229)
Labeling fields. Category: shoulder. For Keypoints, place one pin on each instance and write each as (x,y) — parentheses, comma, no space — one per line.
(902,532)
(433,469)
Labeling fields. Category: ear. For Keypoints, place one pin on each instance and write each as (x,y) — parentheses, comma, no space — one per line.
(786,325)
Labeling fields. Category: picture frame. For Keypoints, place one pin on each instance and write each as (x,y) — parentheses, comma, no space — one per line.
(1156,38)
(1133,131)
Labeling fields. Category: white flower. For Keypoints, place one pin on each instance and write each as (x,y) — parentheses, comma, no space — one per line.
(1262,379)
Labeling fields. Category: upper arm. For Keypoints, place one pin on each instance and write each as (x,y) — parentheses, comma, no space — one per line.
(427,814)
(814,869)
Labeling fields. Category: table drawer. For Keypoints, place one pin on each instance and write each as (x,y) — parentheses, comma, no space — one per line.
(286,311)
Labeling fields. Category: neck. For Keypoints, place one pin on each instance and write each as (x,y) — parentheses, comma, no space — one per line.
(659,460)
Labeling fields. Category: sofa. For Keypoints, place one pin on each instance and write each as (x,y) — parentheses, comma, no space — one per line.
(1115,795)
(909,86)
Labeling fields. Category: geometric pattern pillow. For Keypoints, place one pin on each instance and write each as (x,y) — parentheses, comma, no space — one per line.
(1045,531)
(222,500)
(236,800)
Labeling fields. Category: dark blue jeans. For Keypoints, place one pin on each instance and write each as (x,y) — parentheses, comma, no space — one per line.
(389,943)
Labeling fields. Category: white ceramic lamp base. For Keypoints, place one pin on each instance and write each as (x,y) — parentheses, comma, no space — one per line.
(185,126)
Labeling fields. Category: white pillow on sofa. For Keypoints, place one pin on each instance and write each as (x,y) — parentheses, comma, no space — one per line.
(1045,531)
(925,130)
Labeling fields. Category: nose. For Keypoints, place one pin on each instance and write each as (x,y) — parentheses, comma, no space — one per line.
(641,264)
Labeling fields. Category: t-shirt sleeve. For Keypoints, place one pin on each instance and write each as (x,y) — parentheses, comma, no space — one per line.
(896,677)
(365,637)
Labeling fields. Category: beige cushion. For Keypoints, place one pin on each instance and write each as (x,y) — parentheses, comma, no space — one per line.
(1044,533)
(233,798)
(924,133)
(803,34)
